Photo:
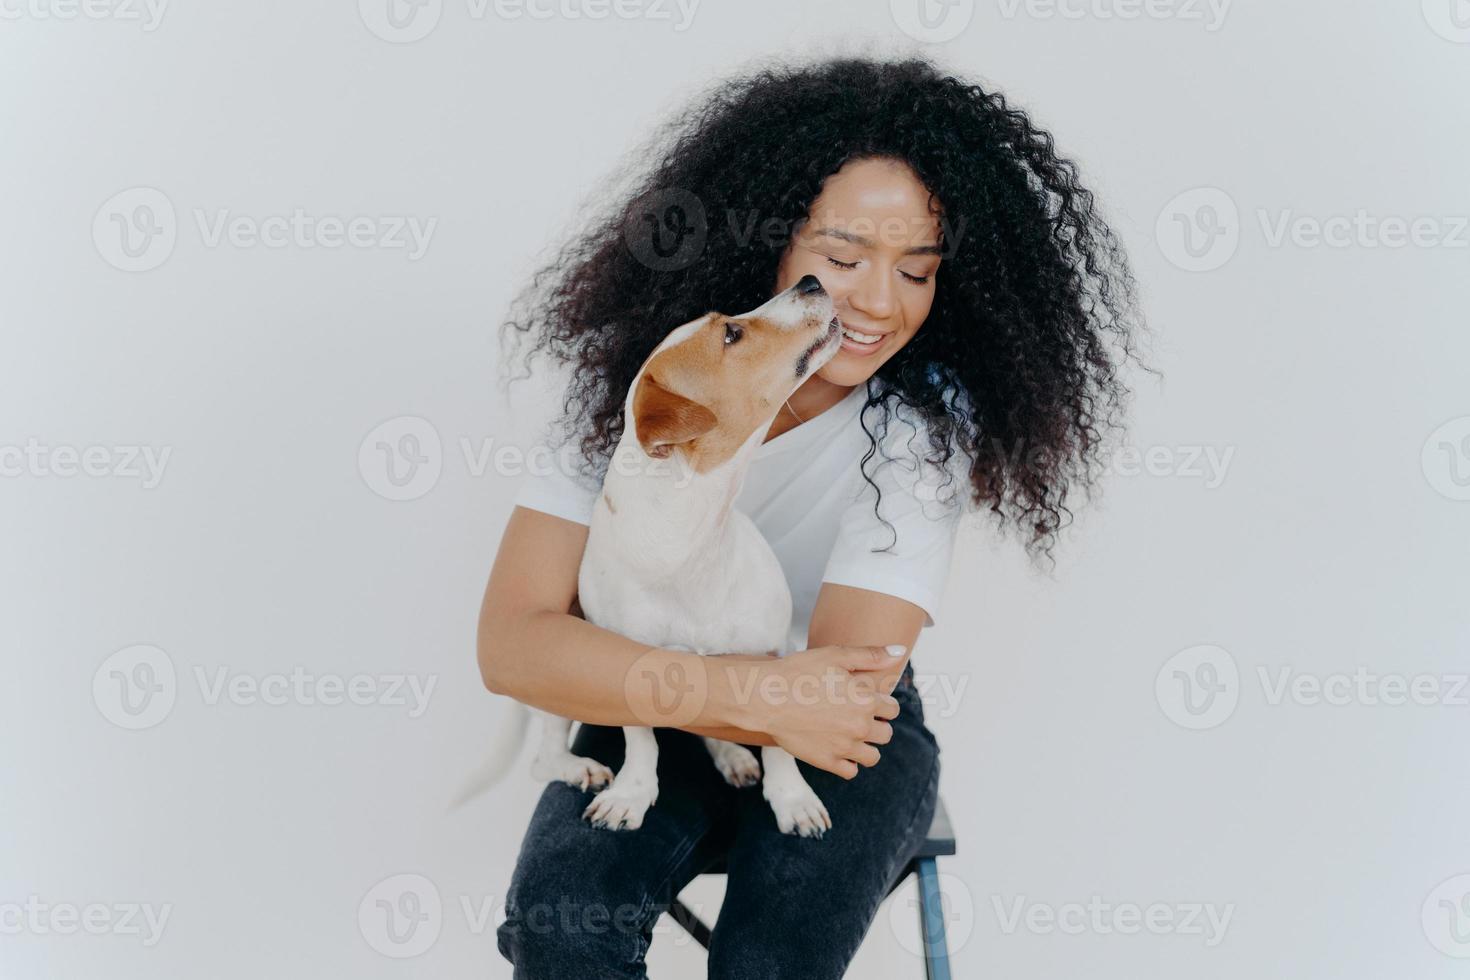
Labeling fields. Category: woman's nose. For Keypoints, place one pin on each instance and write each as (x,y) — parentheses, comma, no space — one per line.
(872,295)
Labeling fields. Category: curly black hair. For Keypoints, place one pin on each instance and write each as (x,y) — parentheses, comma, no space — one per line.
(1033,293)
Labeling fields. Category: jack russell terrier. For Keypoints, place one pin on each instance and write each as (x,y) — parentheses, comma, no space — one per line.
(672,563)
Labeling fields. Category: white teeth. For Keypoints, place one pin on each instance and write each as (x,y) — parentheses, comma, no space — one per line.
(861,338)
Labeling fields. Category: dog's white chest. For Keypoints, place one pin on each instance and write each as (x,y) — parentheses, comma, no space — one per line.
(736,601)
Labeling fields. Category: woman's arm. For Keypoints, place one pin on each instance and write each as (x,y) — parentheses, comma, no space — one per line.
(847,615)
(532,648)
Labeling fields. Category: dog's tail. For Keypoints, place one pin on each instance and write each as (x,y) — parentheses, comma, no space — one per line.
(505,746)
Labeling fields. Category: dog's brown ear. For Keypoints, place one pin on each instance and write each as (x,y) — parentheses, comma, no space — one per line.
(665,419)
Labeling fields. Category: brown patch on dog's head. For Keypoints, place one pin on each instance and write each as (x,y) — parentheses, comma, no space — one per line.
(715,380)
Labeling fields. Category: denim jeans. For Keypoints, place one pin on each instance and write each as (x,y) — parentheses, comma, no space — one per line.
(583,902)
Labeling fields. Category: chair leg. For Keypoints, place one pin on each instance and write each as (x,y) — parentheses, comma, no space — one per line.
(690,923)
(931,921)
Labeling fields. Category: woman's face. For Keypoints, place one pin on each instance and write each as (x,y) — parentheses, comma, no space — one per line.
(875,246)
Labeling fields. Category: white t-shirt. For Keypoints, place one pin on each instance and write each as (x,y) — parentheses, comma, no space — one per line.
(806,493)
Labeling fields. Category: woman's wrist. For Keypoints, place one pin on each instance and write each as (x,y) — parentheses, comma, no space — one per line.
(731,680)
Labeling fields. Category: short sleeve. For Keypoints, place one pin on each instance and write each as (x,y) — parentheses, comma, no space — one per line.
(922,506)
(553,486)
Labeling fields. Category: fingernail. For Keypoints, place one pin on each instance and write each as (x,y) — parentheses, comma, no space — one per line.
(896,649)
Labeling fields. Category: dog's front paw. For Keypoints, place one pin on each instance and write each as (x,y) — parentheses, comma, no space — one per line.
(736,763)
(621,807)
(574,770)
(799,811)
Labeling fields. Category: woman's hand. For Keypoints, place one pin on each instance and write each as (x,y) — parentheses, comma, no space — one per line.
(825,705)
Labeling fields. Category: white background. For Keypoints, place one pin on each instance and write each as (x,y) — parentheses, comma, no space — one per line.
(1334,541)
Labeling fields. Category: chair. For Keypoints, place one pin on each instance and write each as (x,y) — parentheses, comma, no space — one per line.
(939,842)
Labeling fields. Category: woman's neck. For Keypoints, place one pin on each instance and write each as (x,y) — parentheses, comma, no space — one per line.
(814,397)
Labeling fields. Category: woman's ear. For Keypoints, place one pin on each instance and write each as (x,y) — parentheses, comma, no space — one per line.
(664,419)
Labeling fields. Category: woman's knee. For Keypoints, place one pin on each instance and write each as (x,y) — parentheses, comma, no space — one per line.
(554,929)
(574,907)
(582,901)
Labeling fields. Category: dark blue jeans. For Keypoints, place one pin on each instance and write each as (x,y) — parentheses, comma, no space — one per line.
(583,902)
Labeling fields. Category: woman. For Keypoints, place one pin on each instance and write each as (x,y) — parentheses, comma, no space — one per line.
(981,297)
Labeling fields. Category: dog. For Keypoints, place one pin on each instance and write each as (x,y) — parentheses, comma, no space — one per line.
(672,563)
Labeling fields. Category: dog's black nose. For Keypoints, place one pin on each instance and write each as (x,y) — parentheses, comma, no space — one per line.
(809,285)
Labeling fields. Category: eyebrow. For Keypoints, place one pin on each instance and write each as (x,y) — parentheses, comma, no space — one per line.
(848,236)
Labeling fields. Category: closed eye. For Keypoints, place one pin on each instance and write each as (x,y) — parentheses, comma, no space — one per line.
(916,280)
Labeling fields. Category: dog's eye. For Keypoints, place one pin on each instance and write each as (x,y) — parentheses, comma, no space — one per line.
(733,333)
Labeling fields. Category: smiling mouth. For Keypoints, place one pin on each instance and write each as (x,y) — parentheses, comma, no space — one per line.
(857,337)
